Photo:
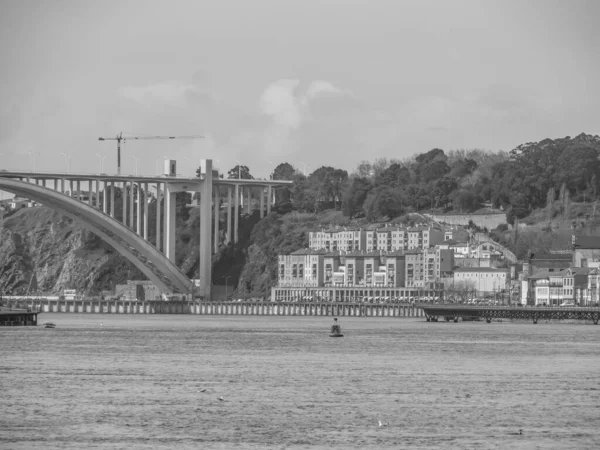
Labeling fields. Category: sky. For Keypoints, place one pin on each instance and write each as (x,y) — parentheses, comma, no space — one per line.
(310,82)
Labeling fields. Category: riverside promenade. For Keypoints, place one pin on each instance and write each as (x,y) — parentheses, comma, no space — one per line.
(219,308)
(453,312)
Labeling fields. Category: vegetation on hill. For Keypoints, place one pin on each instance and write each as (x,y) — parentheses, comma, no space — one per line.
(548,190)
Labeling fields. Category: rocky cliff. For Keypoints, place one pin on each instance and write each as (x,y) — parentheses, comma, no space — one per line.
(44,251)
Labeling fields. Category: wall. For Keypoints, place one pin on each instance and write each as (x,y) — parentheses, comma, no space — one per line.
(490,221)
(224,308)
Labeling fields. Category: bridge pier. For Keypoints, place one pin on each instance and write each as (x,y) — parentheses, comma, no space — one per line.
(158,242)
(236,213)
(205,253)
(228,228)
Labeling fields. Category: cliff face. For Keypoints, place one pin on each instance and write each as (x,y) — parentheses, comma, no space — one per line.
(44,251)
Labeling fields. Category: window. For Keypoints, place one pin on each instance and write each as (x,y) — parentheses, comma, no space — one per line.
(294,271)
(281,271)
(301,271)
(314,271)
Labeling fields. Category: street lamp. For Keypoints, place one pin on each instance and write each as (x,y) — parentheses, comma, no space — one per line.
(305,166)
(32,156)
(102,158)
(67,161)
(272,171)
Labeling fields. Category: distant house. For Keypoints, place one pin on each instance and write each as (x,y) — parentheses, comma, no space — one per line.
(573,285)
(552,261)
(19,202)
(586,251)
(485,280)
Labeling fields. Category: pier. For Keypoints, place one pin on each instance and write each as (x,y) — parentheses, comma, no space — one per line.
(452,312)
(11,317)
(220,308)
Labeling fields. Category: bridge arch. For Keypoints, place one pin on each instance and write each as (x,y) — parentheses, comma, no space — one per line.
(159,269)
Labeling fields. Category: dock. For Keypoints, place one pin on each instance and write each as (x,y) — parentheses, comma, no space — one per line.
(10,317)
(452,312)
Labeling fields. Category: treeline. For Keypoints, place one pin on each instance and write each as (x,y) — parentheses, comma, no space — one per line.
(531,176)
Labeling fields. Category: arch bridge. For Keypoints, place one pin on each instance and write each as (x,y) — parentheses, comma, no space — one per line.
(90,200)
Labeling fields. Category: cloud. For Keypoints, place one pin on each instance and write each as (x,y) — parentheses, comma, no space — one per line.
(288,109)
(280,103)
(172,93)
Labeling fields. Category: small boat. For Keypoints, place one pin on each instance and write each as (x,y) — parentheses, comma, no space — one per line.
(336,331)
(49,325)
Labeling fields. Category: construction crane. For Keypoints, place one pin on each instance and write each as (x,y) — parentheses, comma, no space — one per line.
(120,138)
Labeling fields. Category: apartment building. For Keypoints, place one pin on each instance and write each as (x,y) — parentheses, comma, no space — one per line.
(386,239)
(337,240)
(302,268)
(485,280)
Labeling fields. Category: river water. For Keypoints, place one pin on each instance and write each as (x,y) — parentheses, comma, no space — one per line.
(153,382)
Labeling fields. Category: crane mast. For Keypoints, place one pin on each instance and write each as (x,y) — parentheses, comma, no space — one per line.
(120,138)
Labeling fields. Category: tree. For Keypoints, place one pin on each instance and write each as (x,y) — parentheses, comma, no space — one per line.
(432,165)
(283,171)
(465,201)
(240,172)
(355,195)
(395,175)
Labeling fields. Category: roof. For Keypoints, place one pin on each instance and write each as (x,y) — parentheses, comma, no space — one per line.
(308,251)
(353,254)
(587,242)
(395,253)
(13,312)
(548,274)
(448,242)
(552,256)
(481,269)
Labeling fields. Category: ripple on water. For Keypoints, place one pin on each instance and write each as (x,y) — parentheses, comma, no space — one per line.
(137,383)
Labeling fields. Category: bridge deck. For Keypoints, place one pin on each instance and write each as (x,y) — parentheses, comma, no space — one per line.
(453,312)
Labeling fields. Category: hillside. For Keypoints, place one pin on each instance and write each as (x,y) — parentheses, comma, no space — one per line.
(43,251)
(547,189)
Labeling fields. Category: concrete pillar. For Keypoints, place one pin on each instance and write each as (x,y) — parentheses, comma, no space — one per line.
(62,185)
(44,182)
(236,213)
(217,211)
(165,220)
(138,227)
(131,204)
(158,247)
(98,194)
(146,211)
(169,223)
(262,202)
(205,225)
(124,198)
(270,193)
(249,194)
(79,190)
(71,188)
(104,198)
(229,214)
(112,199)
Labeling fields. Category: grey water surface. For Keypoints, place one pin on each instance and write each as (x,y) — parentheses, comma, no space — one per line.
(155,381)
